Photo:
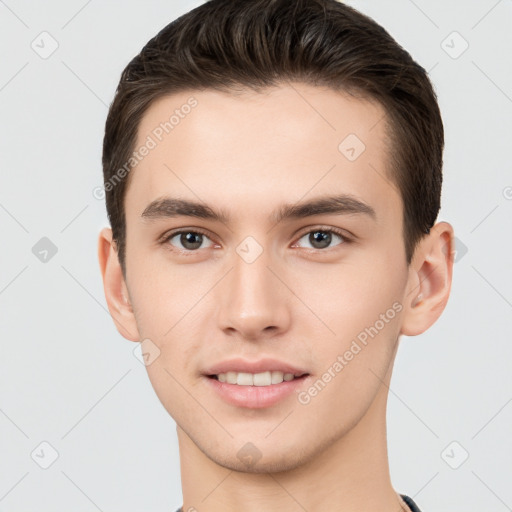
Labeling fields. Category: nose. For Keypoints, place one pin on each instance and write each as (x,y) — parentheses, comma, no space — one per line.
(253,301)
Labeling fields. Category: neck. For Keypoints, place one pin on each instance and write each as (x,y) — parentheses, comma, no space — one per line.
(350,475)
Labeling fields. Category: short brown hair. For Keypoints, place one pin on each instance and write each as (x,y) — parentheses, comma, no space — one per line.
(227,44)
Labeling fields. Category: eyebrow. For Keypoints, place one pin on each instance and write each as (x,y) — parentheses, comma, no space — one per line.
(344,204)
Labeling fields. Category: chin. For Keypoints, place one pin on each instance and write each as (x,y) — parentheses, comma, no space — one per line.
(274,464)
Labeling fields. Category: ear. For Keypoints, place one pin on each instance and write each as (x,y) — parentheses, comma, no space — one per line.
(430,280)
(116,291)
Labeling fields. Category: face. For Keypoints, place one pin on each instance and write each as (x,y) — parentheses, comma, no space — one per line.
(291,261)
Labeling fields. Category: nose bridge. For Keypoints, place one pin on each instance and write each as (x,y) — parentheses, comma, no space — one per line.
(252,298)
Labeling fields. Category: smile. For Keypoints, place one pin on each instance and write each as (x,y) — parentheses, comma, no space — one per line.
(255,379)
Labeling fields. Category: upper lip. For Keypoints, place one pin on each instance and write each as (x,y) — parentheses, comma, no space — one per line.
(261,365)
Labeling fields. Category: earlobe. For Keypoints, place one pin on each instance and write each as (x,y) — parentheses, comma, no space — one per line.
(114,285)
(430,280)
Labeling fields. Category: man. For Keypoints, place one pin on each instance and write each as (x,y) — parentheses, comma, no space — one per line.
(273,178)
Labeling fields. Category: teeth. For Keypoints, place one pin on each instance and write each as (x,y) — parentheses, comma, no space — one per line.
(255,379)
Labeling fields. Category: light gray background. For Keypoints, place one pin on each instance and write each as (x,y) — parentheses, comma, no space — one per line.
(68,378)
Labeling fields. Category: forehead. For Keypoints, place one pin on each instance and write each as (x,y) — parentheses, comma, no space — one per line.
(283,143)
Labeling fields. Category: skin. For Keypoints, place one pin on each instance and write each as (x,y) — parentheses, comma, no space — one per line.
(249,154)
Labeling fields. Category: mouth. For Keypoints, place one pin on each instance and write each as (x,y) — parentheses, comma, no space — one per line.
(255,390)
(266,378)
(254,384)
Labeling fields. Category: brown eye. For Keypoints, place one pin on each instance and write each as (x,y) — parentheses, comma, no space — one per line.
(189,240)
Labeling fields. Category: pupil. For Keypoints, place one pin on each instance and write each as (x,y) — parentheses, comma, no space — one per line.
(320,239)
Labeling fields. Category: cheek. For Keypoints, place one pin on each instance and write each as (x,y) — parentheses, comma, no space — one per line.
(161,296)
(351,297)
(169,307)
(362,308)
(353,367)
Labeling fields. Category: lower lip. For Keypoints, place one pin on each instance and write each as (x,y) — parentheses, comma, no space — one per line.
(255,397)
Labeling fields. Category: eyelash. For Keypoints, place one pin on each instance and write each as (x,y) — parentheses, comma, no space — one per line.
(168,236)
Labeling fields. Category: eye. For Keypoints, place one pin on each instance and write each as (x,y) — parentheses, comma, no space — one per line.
(321,238)
(190,240)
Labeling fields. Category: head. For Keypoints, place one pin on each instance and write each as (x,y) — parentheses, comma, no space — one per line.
(251,110)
